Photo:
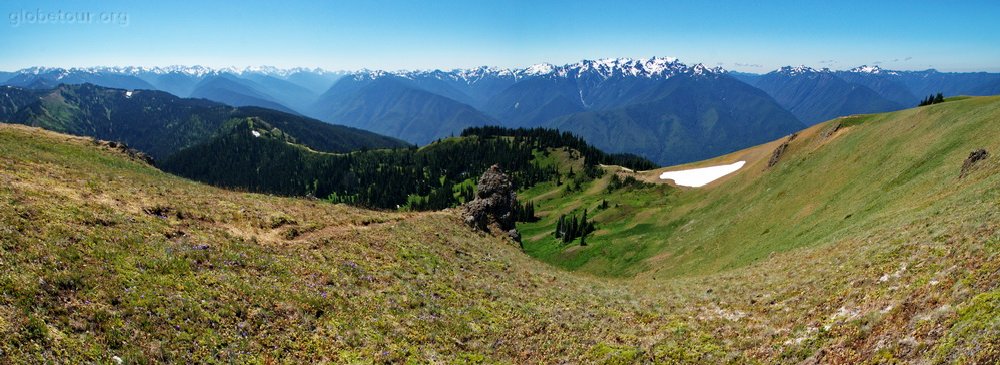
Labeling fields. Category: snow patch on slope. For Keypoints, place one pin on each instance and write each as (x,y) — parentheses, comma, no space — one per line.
(699,177)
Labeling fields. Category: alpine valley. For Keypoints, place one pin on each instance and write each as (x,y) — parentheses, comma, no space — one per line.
(613,211)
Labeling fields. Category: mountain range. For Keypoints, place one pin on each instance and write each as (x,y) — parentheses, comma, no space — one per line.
(819,95)
(659,107)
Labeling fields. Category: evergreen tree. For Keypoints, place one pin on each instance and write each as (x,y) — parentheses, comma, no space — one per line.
(418,179)
(559,226)
(932,99)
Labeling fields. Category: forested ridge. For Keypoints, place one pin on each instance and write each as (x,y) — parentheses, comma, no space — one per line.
(552,138)
(258,158)
(161,124)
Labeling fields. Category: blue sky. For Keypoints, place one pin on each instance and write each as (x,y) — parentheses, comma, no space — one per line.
(754,36)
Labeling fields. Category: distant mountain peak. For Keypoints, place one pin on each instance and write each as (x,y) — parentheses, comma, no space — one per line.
(366,74)
(700,70)
(37,70)
(654,67)
(468,75)
(800,70)
(472,75)
(538,69)
(874,70)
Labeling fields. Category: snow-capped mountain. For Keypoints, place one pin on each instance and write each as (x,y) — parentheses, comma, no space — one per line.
(49,77)
(288,89)
(908,87)
(638,95)
(654,67)
(815,95)
(613,102)
(799,70)
(872,70)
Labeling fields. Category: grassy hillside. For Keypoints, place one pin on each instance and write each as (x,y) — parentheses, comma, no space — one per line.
(868,212)
(831,182)
(103,256)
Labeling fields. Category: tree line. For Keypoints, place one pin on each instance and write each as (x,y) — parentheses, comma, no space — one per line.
(525,212)
(569,228)
(433,177)
(543,138)
(932,99)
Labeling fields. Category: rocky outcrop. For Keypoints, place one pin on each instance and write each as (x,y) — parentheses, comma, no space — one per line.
(493,209)
(972,160)
(124,149)
(780,151)
(831,130)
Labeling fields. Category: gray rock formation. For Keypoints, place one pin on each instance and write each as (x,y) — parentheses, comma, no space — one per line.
(492,210)
(780,151)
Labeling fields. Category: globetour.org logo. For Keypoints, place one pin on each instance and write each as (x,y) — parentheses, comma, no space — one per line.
(57,17)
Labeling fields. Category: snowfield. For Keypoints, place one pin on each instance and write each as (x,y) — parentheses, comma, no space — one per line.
(699,177)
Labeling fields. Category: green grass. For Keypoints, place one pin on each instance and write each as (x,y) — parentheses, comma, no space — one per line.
(102,256)
(876,167)
(861,248)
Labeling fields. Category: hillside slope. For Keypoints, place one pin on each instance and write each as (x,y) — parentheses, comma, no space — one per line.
(688,119)
(161,124)
(861,220)
(885,83)
(231,90)
(833,179)
(393,106)
(818,95)
(250,157)
(103,256)
(621,105)
(42,78)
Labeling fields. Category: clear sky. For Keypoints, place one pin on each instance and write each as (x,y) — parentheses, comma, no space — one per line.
(754,36)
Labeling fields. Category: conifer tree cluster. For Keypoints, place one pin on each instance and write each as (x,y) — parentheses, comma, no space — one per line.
(430,178)
(543,138)
(627,182)
(569,228)
(525,212)
(932,99)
